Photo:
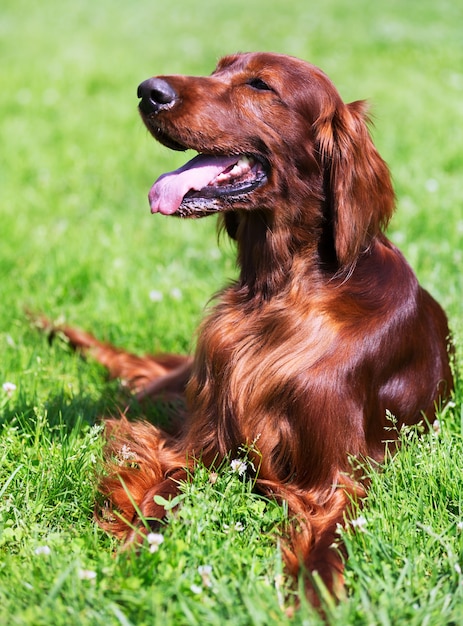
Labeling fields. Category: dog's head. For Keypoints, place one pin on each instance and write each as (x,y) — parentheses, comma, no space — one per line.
(272,134)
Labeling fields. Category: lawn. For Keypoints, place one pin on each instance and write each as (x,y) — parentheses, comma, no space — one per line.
(78,243)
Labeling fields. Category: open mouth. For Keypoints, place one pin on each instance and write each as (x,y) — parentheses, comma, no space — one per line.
(206,184)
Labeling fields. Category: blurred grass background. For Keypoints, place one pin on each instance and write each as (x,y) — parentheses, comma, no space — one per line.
(77,240)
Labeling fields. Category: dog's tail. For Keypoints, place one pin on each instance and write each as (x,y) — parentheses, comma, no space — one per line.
(143,375)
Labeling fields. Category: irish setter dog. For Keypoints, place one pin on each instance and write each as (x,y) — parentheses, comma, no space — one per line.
(325,332)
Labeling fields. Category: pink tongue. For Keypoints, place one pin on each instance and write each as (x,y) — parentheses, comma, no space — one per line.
(169,190)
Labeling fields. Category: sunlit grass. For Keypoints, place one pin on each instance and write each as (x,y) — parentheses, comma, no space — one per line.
(78,243)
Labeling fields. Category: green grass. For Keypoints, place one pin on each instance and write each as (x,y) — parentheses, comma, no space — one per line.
(78,243)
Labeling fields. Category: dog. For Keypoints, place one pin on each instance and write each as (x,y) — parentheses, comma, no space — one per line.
(323,336)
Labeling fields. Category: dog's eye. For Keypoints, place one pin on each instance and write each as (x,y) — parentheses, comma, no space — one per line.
(258,83)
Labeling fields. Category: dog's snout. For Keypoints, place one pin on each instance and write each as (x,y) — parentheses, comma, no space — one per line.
(156,94)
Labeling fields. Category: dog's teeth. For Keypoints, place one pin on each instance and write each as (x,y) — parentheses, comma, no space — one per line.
(244,160)
(242,166)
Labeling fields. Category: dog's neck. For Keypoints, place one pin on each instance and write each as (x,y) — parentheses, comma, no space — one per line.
(267,252)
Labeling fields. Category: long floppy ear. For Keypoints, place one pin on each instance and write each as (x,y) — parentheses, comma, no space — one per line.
(360,187)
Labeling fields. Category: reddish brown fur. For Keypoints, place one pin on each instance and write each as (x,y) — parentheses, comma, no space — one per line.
(325,330)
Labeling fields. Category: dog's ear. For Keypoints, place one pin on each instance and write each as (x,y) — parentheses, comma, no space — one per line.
(358,180)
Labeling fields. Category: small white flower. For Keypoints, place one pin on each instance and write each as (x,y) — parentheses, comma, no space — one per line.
(154,540)
(196,589)
(460,526)
(8,388)
(238,466)
(205,572)
(156,296)
(125,453)
(360,523)
(436,426)
(42,550)
(238,527)
(176,293)
(213,477)
(86,574)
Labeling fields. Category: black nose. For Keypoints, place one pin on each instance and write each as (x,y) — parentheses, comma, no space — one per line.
(156,94)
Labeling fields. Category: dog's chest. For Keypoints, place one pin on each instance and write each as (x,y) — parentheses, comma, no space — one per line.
(275,345)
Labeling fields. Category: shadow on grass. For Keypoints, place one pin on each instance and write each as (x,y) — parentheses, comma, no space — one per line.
(65,412)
